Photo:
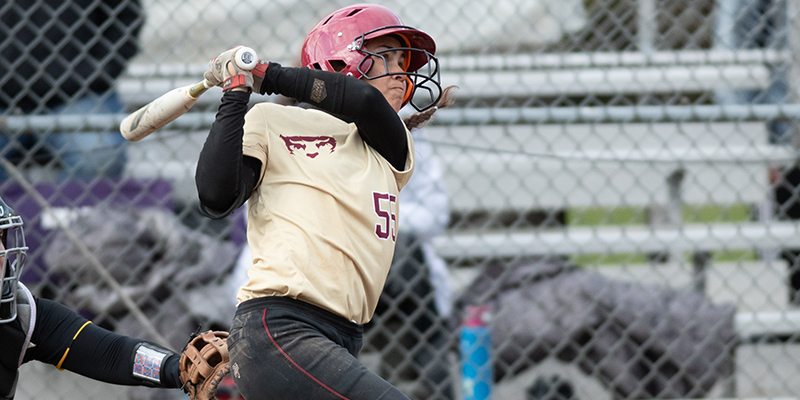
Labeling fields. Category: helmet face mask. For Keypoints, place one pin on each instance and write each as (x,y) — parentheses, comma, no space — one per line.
(13,257)
(337,44)
(424,76)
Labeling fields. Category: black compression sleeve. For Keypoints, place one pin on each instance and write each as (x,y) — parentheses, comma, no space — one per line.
(354,99)
(223,181)
(95,353)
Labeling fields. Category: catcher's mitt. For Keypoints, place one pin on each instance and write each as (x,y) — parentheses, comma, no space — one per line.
(204,362)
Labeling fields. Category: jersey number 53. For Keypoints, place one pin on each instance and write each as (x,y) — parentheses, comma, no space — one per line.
(385,205)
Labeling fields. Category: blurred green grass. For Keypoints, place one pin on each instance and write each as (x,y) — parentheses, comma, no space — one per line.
(636,216)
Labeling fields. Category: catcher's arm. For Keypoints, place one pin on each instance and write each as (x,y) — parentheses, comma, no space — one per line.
(68,341)
(204,363)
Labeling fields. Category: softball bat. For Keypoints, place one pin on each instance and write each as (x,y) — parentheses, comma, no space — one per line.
(173,104)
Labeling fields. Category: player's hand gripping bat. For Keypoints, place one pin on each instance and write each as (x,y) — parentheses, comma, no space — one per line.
(174,103)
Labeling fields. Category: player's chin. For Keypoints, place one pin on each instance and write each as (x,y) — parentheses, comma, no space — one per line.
(397,106)
(396,101)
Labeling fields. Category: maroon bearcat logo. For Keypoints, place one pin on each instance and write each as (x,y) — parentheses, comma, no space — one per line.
(310,146)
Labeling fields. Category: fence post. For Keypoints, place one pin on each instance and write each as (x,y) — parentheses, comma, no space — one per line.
(793,89)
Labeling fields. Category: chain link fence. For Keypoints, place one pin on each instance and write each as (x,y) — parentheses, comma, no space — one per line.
(617,182)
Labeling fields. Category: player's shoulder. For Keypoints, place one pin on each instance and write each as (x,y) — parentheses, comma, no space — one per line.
(277,108)
(296,113)
(267,107)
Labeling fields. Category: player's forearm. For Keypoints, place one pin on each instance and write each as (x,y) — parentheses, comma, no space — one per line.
(69,341)
(112,358)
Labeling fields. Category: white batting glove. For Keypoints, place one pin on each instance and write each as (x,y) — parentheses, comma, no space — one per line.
(212,79)
(258,75)
(223,71)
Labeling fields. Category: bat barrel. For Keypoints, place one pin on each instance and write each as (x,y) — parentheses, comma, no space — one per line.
(160,112)
(175,103)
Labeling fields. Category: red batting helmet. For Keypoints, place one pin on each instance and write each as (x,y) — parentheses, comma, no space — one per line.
(336,44)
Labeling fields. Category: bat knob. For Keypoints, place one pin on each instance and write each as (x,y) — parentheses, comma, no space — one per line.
(246,58)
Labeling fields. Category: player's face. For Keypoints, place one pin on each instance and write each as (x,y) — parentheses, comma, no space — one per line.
(393,87)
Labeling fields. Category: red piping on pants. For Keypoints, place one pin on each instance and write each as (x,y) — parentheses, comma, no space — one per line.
(266,329)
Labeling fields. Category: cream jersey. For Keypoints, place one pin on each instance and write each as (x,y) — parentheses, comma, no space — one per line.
(323,218)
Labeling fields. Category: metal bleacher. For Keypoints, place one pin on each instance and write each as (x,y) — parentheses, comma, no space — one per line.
(524,158)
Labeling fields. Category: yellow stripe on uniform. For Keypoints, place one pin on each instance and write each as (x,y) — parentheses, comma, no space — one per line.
(67,350)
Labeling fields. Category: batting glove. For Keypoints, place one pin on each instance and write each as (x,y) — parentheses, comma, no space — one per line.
(223,71)
(258,75)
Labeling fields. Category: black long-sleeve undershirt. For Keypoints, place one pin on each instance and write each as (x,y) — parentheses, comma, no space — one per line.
(225,178)
(95,353)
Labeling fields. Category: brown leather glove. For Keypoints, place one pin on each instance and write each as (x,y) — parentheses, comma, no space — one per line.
(204,363)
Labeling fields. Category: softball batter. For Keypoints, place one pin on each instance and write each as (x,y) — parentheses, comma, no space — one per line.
(322,180)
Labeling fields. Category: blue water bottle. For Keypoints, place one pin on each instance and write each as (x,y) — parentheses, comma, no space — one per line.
(476,342)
